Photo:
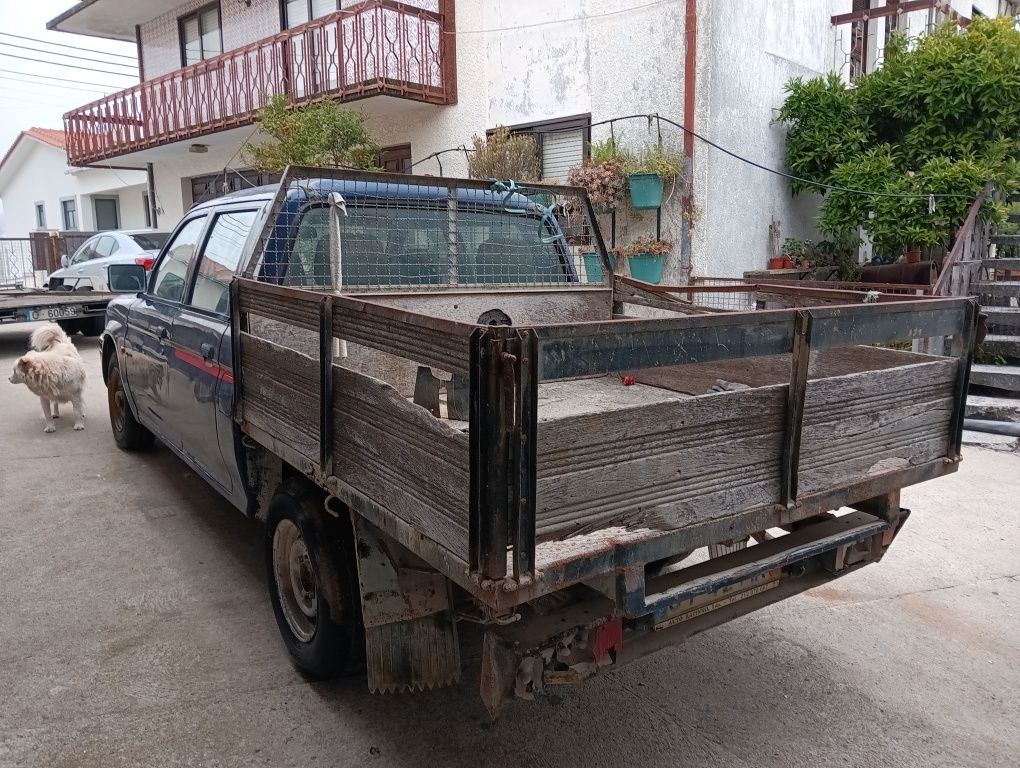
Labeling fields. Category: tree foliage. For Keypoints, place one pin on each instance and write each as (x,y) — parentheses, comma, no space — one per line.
(504,155)
(941,116)
(324,134)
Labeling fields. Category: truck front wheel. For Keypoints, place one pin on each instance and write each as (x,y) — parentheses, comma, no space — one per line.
(309,563)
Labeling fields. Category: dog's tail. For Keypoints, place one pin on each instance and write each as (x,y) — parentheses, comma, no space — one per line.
(45,337)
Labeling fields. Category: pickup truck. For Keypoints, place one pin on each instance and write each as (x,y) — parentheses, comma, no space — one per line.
(444,415)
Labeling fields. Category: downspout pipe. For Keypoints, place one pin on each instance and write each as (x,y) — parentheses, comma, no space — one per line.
(690,81)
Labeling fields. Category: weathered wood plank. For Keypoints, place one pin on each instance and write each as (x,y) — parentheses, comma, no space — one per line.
(525,307)
(683,462)
(402,457)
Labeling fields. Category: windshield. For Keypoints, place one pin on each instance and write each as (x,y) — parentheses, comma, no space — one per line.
(150,241)
(407,246)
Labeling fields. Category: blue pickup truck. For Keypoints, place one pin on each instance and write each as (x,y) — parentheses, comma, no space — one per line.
(444,413)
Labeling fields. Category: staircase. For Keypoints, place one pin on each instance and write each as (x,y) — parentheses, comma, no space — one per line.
(995,387)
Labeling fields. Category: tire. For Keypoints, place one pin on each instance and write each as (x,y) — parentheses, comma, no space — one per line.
(127,432)
(310,573)
(93,326)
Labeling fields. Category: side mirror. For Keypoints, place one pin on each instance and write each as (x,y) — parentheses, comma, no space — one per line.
(126,278)
(64,261)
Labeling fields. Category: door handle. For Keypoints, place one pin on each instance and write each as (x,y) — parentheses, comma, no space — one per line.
(207,351)
(164,335)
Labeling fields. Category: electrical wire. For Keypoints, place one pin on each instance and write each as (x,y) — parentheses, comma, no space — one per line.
(77,89)
(792,177)
(68,56)
(572,19)
(76,67)
(64,80)
(69,47)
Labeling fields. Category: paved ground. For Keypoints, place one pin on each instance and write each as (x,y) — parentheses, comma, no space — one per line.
(135,631)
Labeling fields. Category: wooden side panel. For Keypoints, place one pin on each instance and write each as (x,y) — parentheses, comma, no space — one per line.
(863,424)
(403,458)
(673,464)
(660,466)
(280,392)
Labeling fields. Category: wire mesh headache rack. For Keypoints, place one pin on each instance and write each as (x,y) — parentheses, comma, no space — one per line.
(364,231)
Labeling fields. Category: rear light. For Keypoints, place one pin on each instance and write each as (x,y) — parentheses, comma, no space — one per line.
(145,261)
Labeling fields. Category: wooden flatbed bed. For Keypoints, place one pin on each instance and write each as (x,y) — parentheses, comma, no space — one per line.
(27,306)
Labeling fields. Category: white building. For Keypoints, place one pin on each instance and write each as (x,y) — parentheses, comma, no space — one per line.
(40,191)
(429,74)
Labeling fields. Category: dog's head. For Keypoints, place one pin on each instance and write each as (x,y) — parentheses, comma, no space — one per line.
(22,367)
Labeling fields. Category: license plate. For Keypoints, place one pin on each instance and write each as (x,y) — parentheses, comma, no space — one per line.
(55,313)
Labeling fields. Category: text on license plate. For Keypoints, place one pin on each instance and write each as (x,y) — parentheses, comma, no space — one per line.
(55,313)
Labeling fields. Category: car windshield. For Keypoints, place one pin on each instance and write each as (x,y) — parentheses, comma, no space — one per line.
(150,241)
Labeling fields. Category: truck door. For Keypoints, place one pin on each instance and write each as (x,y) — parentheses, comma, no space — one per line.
(147,341)
(201,378)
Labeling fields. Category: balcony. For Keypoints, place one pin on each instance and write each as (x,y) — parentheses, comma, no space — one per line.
(377,47)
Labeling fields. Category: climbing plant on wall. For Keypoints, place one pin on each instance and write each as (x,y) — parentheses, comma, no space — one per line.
(941,116)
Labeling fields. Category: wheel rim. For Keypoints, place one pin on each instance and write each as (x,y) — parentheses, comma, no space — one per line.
(118,403)
(295,580)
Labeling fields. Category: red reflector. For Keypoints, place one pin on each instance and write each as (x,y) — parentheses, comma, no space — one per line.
(608,640)
(146,262)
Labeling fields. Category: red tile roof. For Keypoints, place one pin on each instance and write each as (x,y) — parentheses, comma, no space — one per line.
(51,136)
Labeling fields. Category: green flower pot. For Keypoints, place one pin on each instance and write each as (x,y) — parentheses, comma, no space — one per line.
(647,267)
(645,190)
(593,267)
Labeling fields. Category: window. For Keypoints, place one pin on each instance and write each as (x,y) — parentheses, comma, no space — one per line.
(146,209)
(562,144)
(201,36)
(86,251)
(107,246)
(107,212)
(69,214)
(172,271)
(399,246)
(395,159)
(150,241)
(222,254)
(40,216)
(297,12)
(217,184)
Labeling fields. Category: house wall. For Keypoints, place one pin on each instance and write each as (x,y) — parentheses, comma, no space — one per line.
(39,173)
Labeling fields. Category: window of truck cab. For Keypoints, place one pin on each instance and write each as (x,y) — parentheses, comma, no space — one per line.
(170,274)
(407,243)
(221,253)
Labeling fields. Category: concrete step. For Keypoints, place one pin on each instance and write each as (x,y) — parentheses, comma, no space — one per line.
(1004,377)
(996,288)
(1010,263)
(1002,320)
(993,408)
(999,344)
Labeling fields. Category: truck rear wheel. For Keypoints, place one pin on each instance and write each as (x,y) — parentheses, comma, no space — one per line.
(309,563)
(128,434)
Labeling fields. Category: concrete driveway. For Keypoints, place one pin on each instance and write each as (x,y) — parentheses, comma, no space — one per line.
(135,630)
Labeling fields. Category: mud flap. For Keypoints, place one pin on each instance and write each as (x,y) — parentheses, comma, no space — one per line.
(410,631)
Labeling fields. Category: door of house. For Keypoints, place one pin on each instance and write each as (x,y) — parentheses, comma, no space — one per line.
(107,213)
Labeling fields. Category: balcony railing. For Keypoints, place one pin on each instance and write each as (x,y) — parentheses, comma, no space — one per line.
(377,47)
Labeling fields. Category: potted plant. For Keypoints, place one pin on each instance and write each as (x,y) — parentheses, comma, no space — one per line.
(646,258)
(503,155)
(795,252)
(601,176)
(646,173)
(841,254)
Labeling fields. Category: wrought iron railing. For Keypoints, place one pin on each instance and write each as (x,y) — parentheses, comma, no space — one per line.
(377,47)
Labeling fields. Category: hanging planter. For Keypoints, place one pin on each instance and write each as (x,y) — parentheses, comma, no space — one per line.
(593,268)
(645,190)
(646,258)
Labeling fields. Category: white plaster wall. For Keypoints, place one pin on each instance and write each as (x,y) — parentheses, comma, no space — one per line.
(746,67)
(41,175)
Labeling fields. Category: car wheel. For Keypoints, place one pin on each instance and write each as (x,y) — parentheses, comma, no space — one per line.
(310,567)
(93,326)
(127,432)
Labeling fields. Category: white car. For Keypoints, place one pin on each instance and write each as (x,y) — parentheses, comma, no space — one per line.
(86,267)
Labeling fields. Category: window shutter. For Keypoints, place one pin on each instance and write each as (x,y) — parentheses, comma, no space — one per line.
(560,152)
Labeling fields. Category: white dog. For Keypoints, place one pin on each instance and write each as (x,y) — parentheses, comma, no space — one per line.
(54,371)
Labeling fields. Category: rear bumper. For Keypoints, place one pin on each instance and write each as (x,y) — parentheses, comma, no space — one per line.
(596,632)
